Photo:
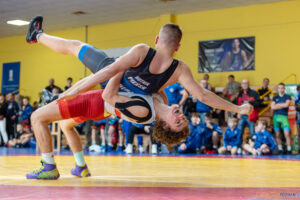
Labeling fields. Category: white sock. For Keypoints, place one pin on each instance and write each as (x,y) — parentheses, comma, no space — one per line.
(289,148)
(215,146)
(48,158)
(79,158)
(280,147)
(93,143)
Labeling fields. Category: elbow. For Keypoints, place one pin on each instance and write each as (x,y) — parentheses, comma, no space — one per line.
(204,97)
(105,96)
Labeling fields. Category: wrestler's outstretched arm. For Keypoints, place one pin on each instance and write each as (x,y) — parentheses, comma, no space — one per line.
(186,79)
(131,59)
(111,96)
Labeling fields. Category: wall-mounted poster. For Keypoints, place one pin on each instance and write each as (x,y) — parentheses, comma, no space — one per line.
(235,54)
(10,77)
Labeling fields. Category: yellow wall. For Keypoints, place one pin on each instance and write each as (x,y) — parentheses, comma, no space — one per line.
(276,27)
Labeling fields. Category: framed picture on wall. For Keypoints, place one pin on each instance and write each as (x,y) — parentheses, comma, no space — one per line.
(224,55)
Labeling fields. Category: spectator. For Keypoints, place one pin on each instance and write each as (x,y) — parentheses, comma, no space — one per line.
(98,125)
(202,108)
(3,110)
(248,95)
(232,88)
(212,133)
(11,115)
(174,93)
(219,114)
(280,105)
(112,137)
(262,141)
(121,135)
(35,105)
(265,93)
(22,137)
(26,113)
(69,83)
(51,86)
(206,78)
(231,139)
(194,141)
(140,129)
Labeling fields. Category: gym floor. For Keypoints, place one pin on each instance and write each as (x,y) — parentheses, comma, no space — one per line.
(118,176)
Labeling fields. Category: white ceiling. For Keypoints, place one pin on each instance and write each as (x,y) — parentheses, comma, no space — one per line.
(58,13)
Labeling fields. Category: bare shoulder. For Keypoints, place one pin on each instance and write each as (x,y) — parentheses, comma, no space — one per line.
(141,48)
(139,51)
(182,66)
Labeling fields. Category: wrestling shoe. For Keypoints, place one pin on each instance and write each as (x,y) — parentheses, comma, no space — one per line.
(46,172)
(34,28)
(81,171)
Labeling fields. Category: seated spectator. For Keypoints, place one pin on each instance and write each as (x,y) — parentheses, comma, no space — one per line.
(174,93)
(69,83)
(202,108)
(265,93)
(246,96)
(280,104)
(206,78)
(219,114)
(25,113)
(261,142)
(35,105)
(231,138)
(140,129)
(211,135)
(12,112)
(98,125)
(232,88)
(194,141)
(22,138)
(3,110)
(51,86)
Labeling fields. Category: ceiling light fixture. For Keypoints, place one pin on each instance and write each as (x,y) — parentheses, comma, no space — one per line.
(18,22)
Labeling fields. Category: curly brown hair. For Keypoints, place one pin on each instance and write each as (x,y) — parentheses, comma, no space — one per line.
(167,136)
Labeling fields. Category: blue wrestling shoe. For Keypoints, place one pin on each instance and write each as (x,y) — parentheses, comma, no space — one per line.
(81,171)
(46,172)
(34,28)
